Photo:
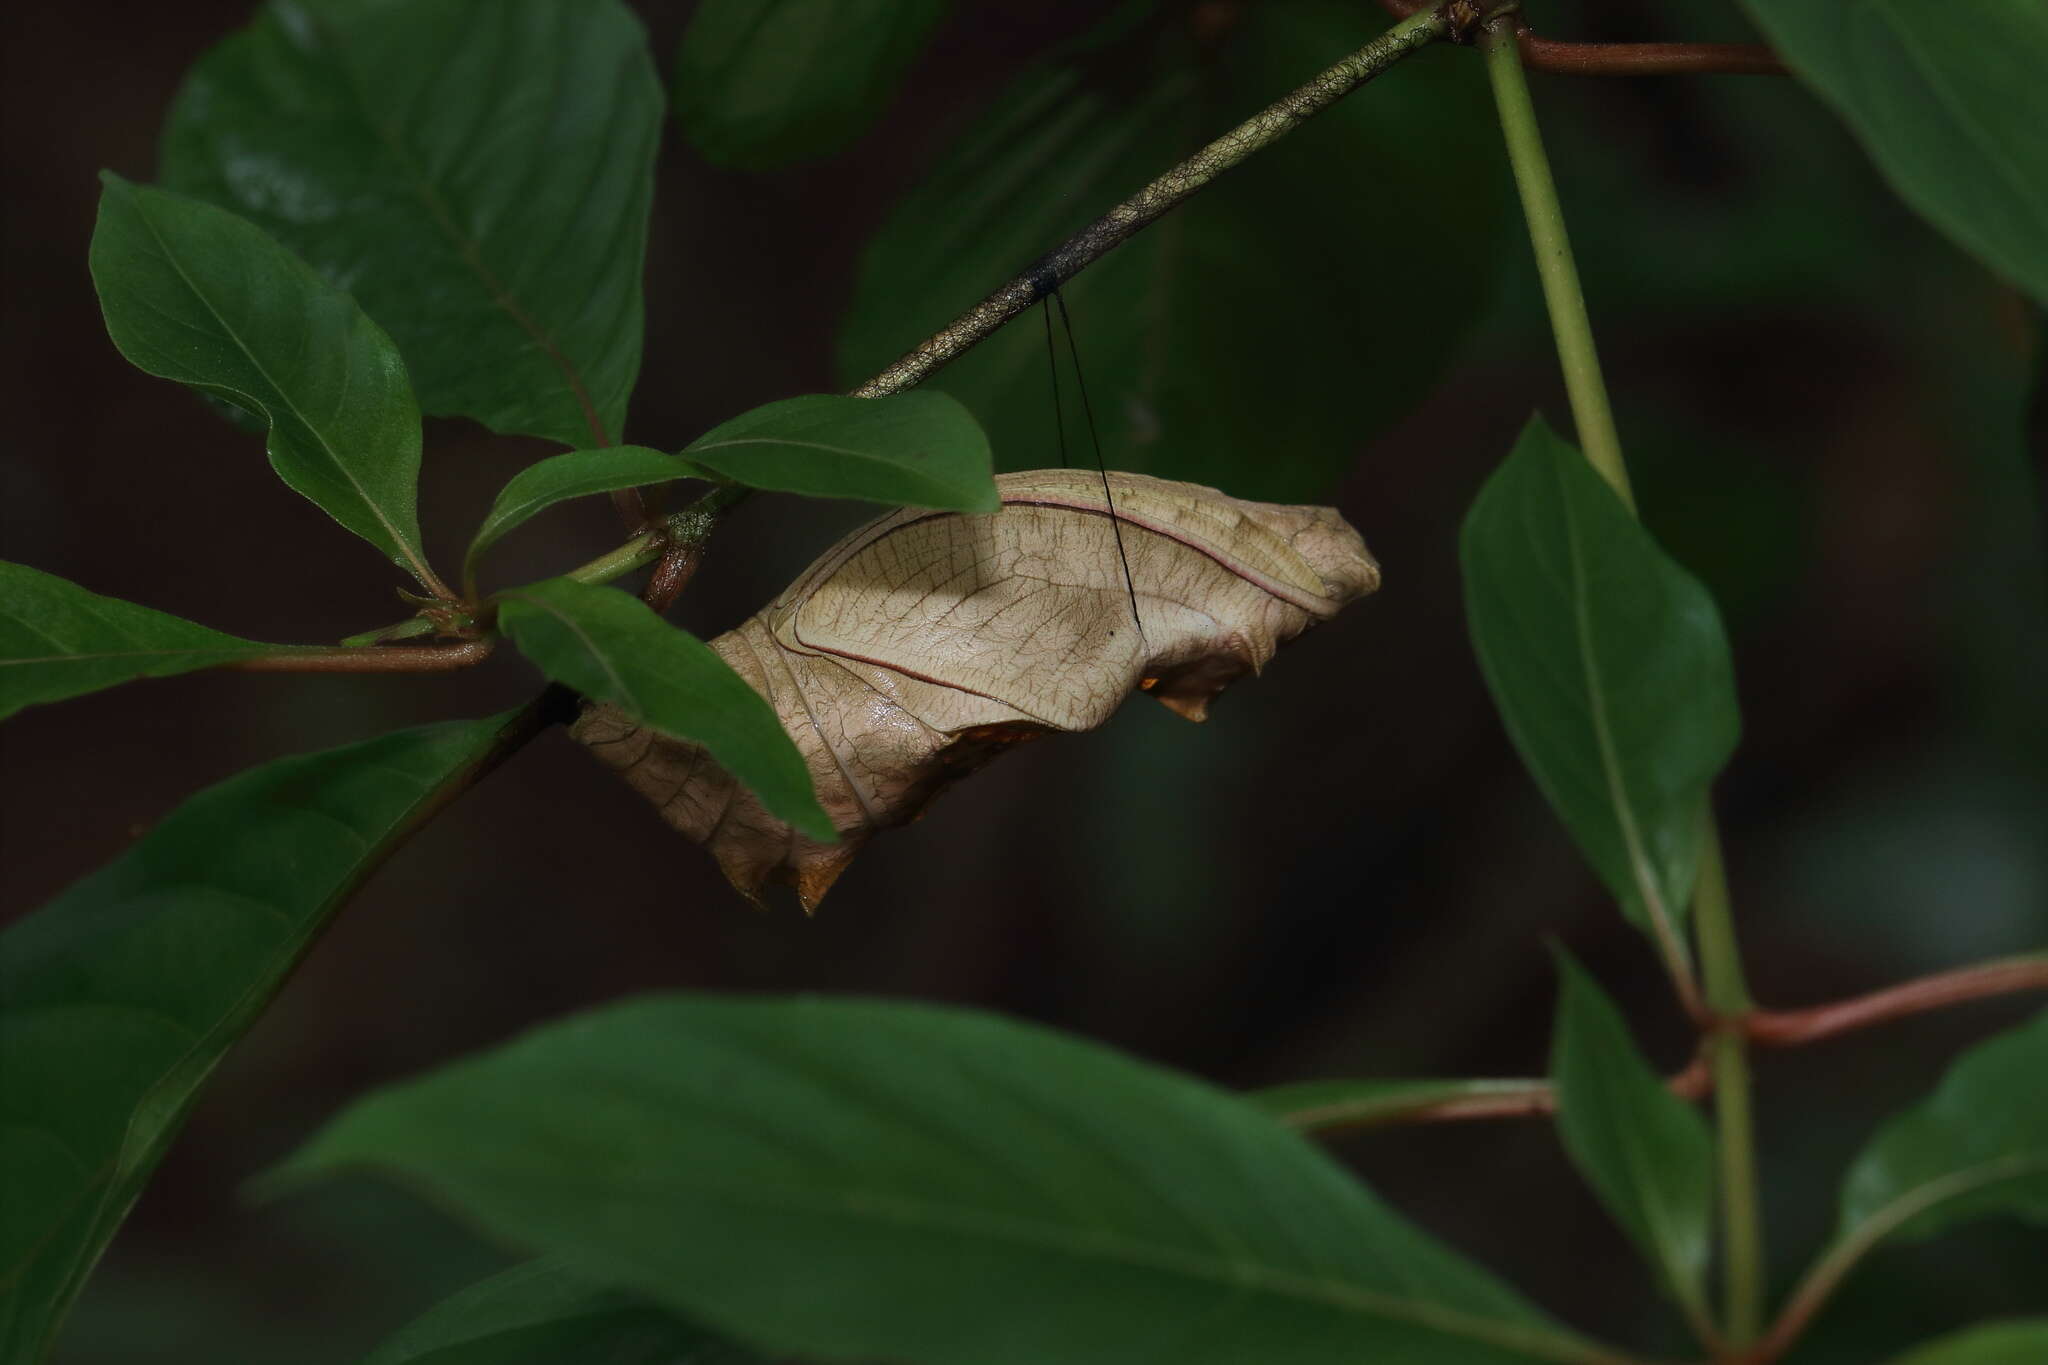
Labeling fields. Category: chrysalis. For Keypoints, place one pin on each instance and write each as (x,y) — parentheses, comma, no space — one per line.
(925,643)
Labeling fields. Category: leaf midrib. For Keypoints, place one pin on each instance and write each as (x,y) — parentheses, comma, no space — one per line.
(414,561)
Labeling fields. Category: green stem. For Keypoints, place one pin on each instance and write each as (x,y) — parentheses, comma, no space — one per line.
(1726,997)
(1591,414)
(1742,1238)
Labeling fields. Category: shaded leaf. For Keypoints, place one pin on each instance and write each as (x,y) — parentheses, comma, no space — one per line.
(1645,1152)
(1608,664)
(919,448)
(857,1179)
(2022,1341)
(476,172)
(1321,1106)
(58,640)
(540,1313)
(576,474)
(610,647)
(1977,1146)
(195,294)
(763,83)
(119,997)
(1254,337)
(1948,100)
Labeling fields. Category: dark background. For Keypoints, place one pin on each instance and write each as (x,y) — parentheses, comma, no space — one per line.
(1345,872)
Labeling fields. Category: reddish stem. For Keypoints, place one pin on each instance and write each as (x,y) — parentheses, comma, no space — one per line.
(1626,59)
(370,659)
(1789,1028)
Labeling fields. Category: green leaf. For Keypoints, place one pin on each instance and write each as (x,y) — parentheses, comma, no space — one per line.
(2022,1341)
(1977,1146)
(1609,666)
(541,1313)
(1255,337)
(919,448)
(477,172)
(857,1179)
(763,83)
(608,645)
(1324,1106)
(1949,101)
(195,294)
(1645,1152)
(575,474)
(118,998)
(57,640)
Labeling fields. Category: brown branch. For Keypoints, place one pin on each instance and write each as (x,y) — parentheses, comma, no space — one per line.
(1091,243)
(370,659)
(1790,1028)
(673,572)
(1621,59)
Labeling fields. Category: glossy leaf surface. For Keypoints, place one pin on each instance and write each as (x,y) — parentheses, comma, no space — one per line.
(1645,1152)
(1949,101)
(196,294)
(854,1180)
(542,1314)
(766,82)
(1254,337)
(477,172)
(58,640)
(923,449)
(1977,1146)
(1608,664)
(575,474)
(607,645)
(119,998)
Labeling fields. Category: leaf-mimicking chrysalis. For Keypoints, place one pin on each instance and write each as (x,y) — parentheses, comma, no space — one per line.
(925,643)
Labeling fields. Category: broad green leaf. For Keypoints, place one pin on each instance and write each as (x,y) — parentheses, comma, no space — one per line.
(541,1313)
(1323,1106)
(58,640)
(1645,1152)
(1609,666)
(476,172)
(1977,1146)
(576,474)
(1253,338)
(1949,101)
(2021,1341)
(195,294)
(119,997)
(919,448)
(606,644)
(764,83)
(862,1179)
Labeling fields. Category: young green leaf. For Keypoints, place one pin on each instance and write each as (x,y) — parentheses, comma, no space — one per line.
(118,998)
(1609,666)
(919,448)
(1949,101)
(1644,1151)
(1977,1146)
(762,83)
(2021,1341)
(860,1179)
(195,294)
(57,640)
(1325,1106)
(477,172)
(1258,334)
(608,645)
(540,1313)
(575,474)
